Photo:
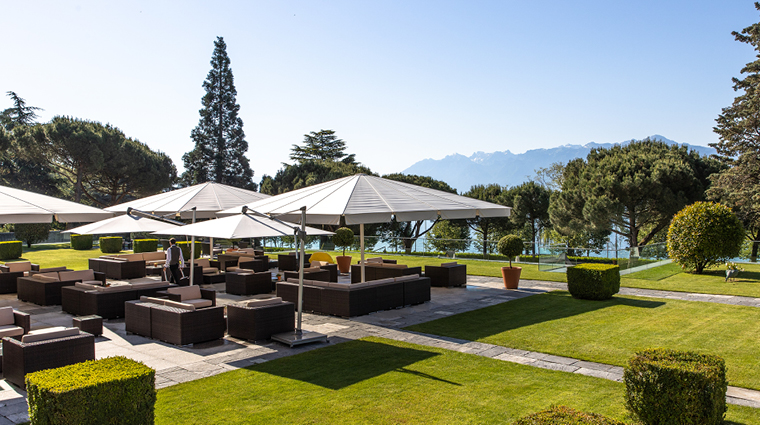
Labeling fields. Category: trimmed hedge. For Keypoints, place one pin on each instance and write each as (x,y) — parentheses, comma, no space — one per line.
(593,281)
(114,390)
(111,244)
(185,247)
(81,242)
(145,245)
(563,415)
(10,250)
(665,386)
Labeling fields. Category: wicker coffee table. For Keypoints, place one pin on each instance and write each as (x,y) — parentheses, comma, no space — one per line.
(91,324)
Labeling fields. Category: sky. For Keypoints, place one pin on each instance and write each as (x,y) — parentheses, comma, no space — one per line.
(398,81)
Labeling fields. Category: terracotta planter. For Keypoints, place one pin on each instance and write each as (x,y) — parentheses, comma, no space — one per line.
(344,263)
(511,276)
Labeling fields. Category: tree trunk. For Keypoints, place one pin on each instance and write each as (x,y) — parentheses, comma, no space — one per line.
(78,186)
(755,246)
(408,244)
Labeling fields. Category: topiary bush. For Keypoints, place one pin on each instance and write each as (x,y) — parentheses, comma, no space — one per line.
(185,247)
(593,281)
(704,234)
(31,233)
(344,237)
(675,387)
(145,245)
(81,242)
(111,244)
(114,390)
(510,246)
(10,250)
(563,415)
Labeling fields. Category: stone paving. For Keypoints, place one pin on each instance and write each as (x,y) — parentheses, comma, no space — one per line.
(182,364)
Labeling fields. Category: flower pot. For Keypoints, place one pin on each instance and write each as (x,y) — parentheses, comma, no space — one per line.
(344,263)
(511,276)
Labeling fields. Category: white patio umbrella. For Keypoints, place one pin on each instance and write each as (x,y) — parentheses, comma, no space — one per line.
(125,224)
(21,206)
(207,198)
(250,225)
(361,199)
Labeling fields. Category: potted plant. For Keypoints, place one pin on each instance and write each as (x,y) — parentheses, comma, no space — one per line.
(511,246)
(344,237)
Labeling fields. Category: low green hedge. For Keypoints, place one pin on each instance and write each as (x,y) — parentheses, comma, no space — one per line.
(114,390)
(111,244)
(145,245)
(563,415)
(593,281)
(185,247)
(10,250)
(81,242)
(665,386)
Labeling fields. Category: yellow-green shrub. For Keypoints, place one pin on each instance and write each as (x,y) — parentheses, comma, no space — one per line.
(111,244)
(81,242)
(145,245)
(563,415)
(185,247)
(114,390)
(10,250)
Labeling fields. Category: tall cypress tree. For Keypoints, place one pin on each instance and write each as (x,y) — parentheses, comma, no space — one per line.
(220,145)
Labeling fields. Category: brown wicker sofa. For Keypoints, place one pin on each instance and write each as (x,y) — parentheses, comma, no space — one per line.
(260,318)
(311,273)
(447,274)
(248,282)
(174,322)
(45,349)
(290,261)
(45,288)
(376,271)
(348,300)
(106,302)
(119,267)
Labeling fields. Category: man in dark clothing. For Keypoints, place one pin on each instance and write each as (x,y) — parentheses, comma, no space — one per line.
(174,261)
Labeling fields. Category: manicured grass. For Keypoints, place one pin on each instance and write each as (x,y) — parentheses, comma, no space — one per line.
(612,331)
(59,255)
(378,381)
(712,281)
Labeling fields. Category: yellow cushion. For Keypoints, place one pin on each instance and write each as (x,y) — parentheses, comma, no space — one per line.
(322,256)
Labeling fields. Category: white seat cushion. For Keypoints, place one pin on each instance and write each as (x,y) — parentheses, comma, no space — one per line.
(263,302)
(11,330)
(49,333)
(186,292)
(199,302)
(6,316)
(210,270)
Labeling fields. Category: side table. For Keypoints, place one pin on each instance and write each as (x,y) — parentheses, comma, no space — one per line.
(91,324)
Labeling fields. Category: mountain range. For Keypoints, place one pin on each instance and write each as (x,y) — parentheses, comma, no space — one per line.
(509,169)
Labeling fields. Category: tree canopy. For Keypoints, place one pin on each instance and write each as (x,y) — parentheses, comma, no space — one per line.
(308,173)
(530,210)
(738,128)
(18,115)
(321,145)
(220,145)
(633,190)
(489,229)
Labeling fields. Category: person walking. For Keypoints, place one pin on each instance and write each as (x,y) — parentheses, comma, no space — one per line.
(174,261)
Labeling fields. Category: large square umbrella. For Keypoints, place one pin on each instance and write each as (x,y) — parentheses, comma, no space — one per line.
(21,206)
(125,224)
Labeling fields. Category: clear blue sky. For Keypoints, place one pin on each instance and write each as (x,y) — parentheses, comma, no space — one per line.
(399,81)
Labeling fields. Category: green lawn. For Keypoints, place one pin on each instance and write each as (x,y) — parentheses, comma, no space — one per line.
(712,281)
(59,255)
(612,331)
(378,381)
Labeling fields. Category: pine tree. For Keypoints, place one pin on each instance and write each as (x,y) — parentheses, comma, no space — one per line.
(323,145)
(220,145)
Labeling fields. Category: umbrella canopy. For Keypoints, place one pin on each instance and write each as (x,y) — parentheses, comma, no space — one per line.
(243,226)
(125,224)
(21,206)
(362,199)
(208,198)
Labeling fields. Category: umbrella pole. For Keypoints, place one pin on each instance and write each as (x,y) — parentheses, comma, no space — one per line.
(192,255)
(361,246)
(301,254)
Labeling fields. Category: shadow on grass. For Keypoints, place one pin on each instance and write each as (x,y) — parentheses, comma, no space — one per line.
(485,322)
(346,364)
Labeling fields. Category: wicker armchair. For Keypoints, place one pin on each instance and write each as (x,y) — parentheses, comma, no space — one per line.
(174,325)
(259,320)
(20,358)
(243,282)
(447,275)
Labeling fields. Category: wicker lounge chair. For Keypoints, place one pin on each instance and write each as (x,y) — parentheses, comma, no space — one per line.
(174,322)
(248,282)
(447,274)
(259,319)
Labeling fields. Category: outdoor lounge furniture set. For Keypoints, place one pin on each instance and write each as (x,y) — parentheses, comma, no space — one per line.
(447,274)
(119,267)
(10,272)
(45,288)
(348,300)
(84,299)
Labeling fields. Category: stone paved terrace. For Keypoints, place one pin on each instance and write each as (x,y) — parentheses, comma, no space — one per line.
(181,364)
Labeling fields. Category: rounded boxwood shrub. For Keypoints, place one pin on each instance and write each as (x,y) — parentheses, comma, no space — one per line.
(111,244)
(563,415)
(10,250)
(704,234)
(145,245)
(81,242)
(510,246)
(593,281)
(185,247)
(344,237)
(665,386)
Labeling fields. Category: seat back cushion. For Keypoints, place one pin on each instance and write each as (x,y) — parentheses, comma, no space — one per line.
(53,269)
(183,306)
(453,263)
(154,300)
(87,286)
(263,302)
(312,270)
(203,262)
(395,266)
(19,266)
(374,260)
(49,333)
(77,275)
(318,264)
(154,256)
(244,259)
(6,316)
(186,292)
(50,276)
(407,278)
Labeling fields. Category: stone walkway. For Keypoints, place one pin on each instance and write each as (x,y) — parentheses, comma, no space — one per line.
(182,364)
